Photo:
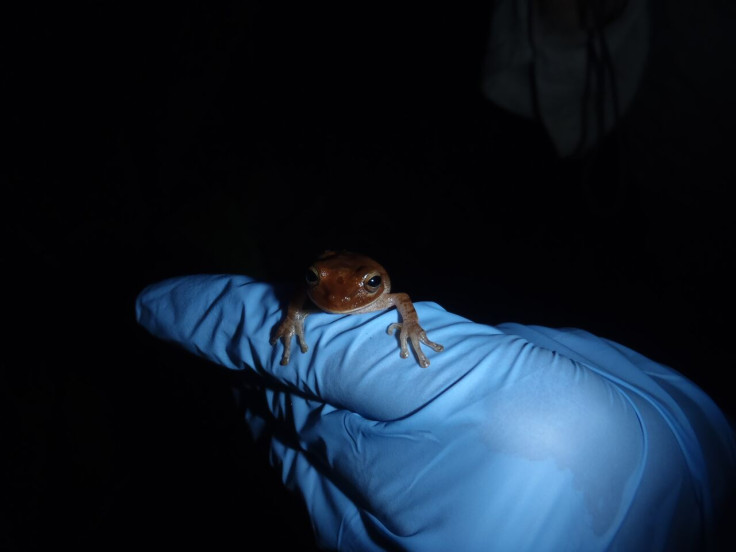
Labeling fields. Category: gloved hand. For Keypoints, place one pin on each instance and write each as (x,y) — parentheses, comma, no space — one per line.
(514,438)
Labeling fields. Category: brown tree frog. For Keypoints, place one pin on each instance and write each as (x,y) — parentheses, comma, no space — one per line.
(350,283)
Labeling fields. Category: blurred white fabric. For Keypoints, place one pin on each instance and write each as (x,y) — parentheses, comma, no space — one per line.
(577,88)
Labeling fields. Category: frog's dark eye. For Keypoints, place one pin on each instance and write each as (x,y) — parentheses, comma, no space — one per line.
(311,276)
(373,283)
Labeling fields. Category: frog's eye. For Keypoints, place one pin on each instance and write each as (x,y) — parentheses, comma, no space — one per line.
(311,276)
(373,283)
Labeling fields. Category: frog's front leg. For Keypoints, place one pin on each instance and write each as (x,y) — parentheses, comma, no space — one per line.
(292,324)
(410,331)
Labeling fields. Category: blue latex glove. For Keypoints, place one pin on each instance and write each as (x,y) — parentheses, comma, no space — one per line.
(515,438)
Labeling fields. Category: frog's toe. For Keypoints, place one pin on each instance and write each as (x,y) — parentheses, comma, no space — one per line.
(436,347)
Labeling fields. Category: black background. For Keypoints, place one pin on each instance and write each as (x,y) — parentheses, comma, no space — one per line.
(149,141)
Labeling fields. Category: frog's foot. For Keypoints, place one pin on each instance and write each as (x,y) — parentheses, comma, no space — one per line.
(414,334)
(284,332)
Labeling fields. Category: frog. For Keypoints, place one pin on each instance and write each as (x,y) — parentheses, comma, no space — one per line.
(344,282)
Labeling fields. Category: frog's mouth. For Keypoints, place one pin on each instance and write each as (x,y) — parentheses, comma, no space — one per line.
(344,311)
(341,304)
(345,305)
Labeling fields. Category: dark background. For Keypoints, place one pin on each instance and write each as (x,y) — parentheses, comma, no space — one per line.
(149,141)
